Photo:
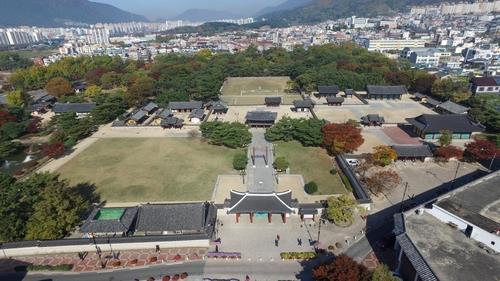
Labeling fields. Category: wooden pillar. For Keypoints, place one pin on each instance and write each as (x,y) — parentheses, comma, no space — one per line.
(269,217)
(237,217)
(251,217)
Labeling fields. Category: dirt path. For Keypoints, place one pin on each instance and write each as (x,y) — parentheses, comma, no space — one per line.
(55,164)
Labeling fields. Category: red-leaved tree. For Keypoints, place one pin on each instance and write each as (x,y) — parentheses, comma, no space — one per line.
(343,268)
(481,150)
(54,150)
(382,181)
(448,152)
(341,138)
(34,125)
(6,117)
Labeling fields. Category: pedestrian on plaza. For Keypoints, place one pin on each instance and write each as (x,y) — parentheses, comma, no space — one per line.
(277,237)
(300,241)
(276,242)
(247,278)
(216,248)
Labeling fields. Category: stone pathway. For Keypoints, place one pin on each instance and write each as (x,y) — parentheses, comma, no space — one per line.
(92,262)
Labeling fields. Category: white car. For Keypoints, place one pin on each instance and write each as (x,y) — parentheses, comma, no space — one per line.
(353,162)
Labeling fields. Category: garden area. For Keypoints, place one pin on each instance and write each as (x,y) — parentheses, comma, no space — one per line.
(313,163)
(132,170)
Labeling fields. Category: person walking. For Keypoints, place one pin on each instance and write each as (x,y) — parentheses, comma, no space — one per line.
(277,237)
(300,241)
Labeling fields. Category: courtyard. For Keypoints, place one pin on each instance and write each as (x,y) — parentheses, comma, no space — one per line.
(150,169)
(238,113)
(394,111)
(314,164)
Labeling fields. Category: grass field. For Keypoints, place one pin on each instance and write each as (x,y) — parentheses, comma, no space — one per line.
(155,169)
(314,164)
(237,86)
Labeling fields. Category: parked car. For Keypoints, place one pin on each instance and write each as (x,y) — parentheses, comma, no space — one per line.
(353,162)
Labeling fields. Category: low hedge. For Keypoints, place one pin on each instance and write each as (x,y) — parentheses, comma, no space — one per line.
(44,267)
(298,255)
(346,182)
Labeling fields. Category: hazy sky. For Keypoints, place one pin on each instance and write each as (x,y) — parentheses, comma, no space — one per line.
(168,8)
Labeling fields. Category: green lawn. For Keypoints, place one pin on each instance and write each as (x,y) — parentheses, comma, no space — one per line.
(314,164)
(29,54)
(154,169)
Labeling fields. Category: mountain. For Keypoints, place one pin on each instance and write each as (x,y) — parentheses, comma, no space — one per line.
(287,5)
(50,13)
(206,15)
(322,10)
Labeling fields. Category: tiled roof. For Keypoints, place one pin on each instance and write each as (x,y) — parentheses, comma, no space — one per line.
(109,226)
(328,90)
(172,217)
(246,202)
(261,116)
(272,100)
(423,269)
(484,81)
(412,150)
(434,123)
(150,106)
(197,113)
(386,90)
(303,103)
(73,107)
(183,105)
(453,107)
(334,99)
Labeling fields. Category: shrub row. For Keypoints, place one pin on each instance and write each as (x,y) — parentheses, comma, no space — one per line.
(44,267)
(298,255)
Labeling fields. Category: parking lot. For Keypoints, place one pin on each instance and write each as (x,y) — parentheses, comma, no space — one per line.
(422,177)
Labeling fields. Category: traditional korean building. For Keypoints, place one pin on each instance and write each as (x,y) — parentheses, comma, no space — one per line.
(431,126)
(261,118)
(385,92)
(267,204)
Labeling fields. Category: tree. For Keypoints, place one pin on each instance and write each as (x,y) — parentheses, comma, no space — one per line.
(34,125)
(140,89)
(384,155)
(8,148)
(456,90)
(311,187)
(340,209)
(107,112)
(447,152)
(58,87)
(423,83)
(11,130)
(341,138)
(92,91)
(6,117)
(16,98)
(11,61)
(484,108)
(382,273)
(382,181)
(111,80)
(232,135)
(481,150)
(280,163)
(54,150)
(58,211)
(342,268)
(240,161)
(445,138)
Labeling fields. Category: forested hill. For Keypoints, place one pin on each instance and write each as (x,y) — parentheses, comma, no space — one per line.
(322,10)
(48,13)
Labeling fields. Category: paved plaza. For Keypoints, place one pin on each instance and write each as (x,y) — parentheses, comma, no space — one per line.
(394,111)
(238,113)
(256,241)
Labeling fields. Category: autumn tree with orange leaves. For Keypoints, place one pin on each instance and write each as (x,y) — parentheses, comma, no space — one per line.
(341,138)
(342,268)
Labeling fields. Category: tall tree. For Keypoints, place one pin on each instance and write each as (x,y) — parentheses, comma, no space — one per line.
(382,181)
(341,138)
(58,87)
(341,209)
(16,98)
(384,155)
(481,150)
(342,268)
(58,211)
(140,89)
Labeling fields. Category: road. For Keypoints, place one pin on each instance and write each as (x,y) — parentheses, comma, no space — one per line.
(197,270)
